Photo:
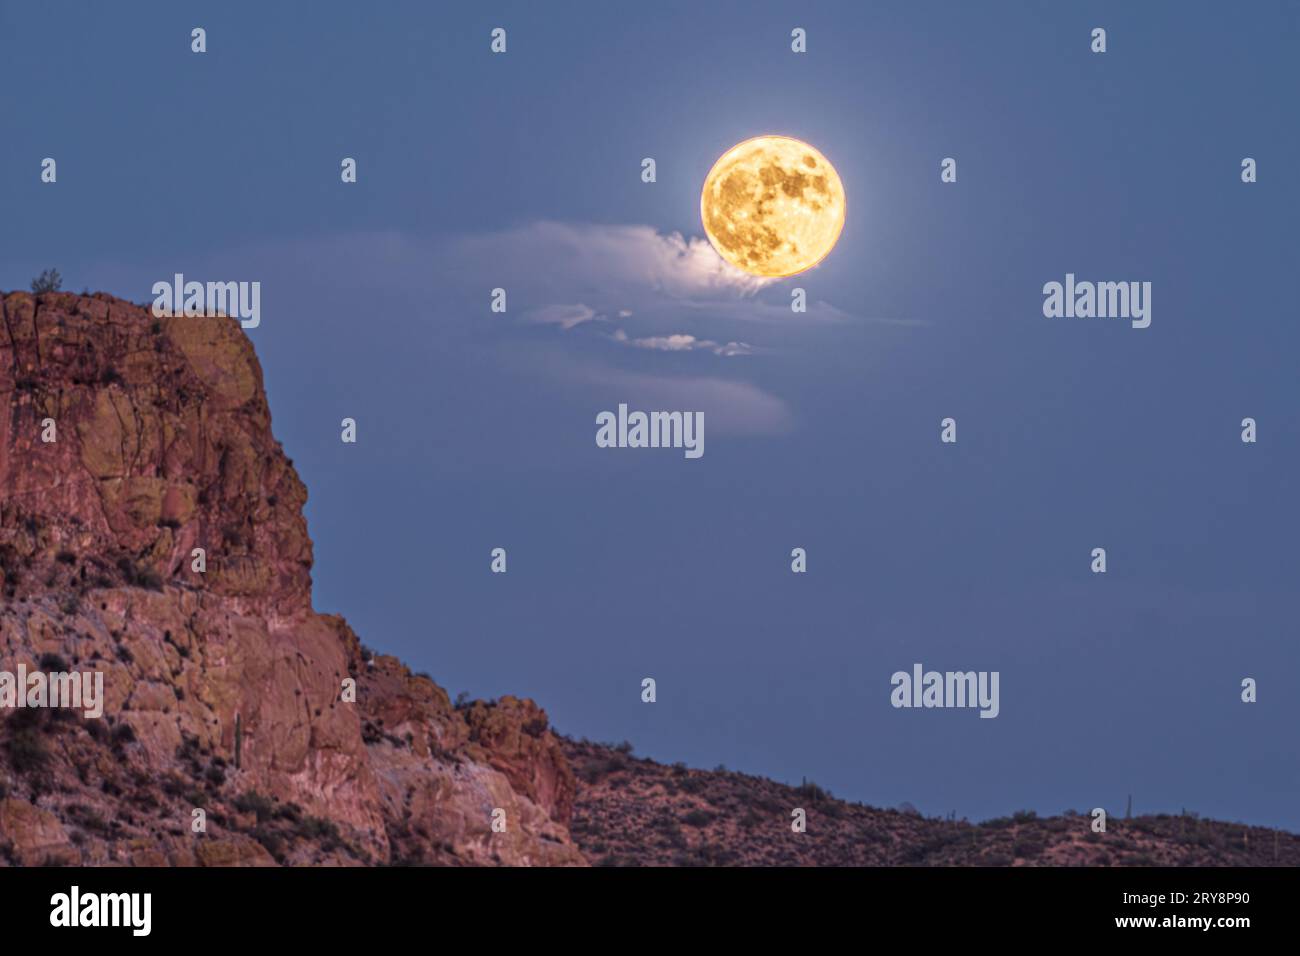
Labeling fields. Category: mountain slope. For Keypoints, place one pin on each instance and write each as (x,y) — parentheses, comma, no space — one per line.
(635,812)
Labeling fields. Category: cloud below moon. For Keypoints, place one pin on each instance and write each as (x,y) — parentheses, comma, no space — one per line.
(623,257)
(589,305)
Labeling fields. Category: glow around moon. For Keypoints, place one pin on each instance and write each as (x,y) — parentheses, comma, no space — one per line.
(773,206)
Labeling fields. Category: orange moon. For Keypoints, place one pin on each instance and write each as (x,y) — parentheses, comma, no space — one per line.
(773,206)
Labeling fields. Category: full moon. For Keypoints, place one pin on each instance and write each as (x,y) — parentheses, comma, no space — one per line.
(773,206)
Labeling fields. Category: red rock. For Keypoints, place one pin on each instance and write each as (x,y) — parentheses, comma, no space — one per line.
(165,445)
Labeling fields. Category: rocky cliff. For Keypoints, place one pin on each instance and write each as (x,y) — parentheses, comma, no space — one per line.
(151,529)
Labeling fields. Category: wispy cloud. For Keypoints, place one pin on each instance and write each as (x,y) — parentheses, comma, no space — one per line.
(565,316)
(731,407)
(617,257)
(625,271)
(682,342)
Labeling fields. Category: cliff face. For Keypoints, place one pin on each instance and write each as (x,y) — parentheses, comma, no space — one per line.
(127,442)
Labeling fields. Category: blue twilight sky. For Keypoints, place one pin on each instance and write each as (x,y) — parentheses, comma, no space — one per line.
(477,430)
